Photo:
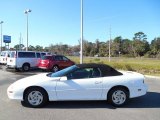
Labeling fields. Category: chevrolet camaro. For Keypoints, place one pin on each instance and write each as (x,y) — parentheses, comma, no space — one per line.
(79,82)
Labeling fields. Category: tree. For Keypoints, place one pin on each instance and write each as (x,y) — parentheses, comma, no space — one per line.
(103,49)
(87,47)
(117,46)
(140,36)
(31,48)
(19,47)
(46,49)
(127,47)
(155,46)
(38,48)
(97,44)
(140,44)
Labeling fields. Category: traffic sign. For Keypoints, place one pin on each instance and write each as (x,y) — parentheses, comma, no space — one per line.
(6,39)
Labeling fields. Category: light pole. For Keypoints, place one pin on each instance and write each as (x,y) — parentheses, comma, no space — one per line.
(109,44)
(81,51)
(26,12)
(1,33)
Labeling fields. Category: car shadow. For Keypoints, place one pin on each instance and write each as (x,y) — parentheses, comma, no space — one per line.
(33,71)
(150,100)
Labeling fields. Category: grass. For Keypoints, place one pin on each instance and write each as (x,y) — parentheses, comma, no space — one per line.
(142,65)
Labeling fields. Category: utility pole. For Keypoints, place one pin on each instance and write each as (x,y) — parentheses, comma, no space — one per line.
(109,44)
(1,34)
(81,48)
(27,12)
(20,42)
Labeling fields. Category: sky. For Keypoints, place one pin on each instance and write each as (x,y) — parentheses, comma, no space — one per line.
(58,21)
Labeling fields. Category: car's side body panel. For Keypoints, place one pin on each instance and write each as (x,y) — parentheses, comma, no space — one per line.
(79,89)
(131,80)
(41,80)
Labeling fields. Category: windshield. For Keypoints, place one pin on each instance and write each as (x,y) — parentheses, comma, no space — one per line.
(63,72)
(3,53)
(11,54)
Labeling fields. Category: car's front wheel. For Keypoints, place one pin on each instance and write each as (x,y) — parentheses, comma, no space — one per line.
(35,97)
(55,68)
(118,96)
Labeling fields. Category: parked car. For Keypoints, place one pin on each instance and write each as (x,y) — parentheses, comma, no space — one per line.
(24,59)
(3,57)
(79,82)
(54,62)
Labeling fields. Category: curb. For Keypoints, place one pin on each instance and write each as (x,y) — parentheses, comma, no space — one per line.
(149,76)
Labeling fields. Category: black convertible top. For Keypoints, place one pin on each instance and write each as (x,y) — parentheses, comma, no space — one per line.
(106,70)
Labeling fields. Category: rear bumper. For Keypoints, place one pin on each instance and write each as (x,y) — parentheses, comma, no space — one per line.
(138,91)
(44,68)
(3,62)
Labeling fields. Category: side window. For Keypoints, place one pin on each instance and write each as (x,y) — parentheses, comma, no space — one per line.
(43,54)
(84,73)
(58,58)
(31,55)
(20,54)
(38,55)
(3,54)
(65,59)
(26,55)
(95,73)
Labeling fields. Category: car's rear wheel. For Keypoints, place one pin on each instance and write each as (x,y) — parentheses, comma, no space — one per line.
(55,68)
(35,97)
(118,96)
(25,67)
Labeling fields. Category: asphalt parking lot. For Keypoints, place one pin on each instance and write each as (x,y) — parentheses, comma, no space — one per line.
(143,108)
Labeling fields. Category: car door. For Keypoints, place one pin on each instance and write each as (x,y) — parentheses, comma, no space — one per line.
(60,62)
(80,85)
(66,62)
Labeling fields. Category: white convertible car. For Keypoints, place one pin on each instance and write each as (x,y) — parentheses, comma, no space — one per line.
(79,82)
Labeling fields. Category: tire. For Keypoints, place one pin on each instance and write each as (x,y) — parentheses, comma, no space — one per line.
(26,67)
(43,70)
(17,69)
(35,97)
(55,68)
(118,96)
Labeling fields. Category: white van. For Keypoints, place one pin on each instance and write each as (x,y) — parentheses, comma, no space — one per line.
(24,59)
(3,57)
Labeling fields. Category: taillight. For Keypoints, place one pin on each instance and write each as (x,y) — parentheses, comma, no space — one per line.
(44,61)
(48,61)
(15,56)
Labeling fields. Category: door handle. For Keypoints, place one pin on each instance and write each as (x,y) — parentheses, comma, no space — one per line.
(98,82)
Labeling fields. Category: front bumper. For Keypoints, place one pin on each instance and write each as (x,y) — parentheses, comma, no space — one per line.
(14,94)
(11,66)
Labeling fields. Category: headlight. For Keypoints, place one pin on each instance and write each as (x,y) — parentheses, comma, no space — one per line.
(10,89)
(144,79)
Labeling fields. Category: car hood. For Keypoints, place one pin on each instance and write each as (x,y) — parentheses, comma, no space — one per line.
(34,80)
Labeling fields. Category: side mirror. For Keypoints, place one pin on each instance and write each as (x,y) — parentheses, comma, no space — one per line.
(64,78)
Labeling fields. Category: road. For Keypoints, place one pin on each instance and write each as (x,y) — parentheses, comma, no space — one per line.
(142,108)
